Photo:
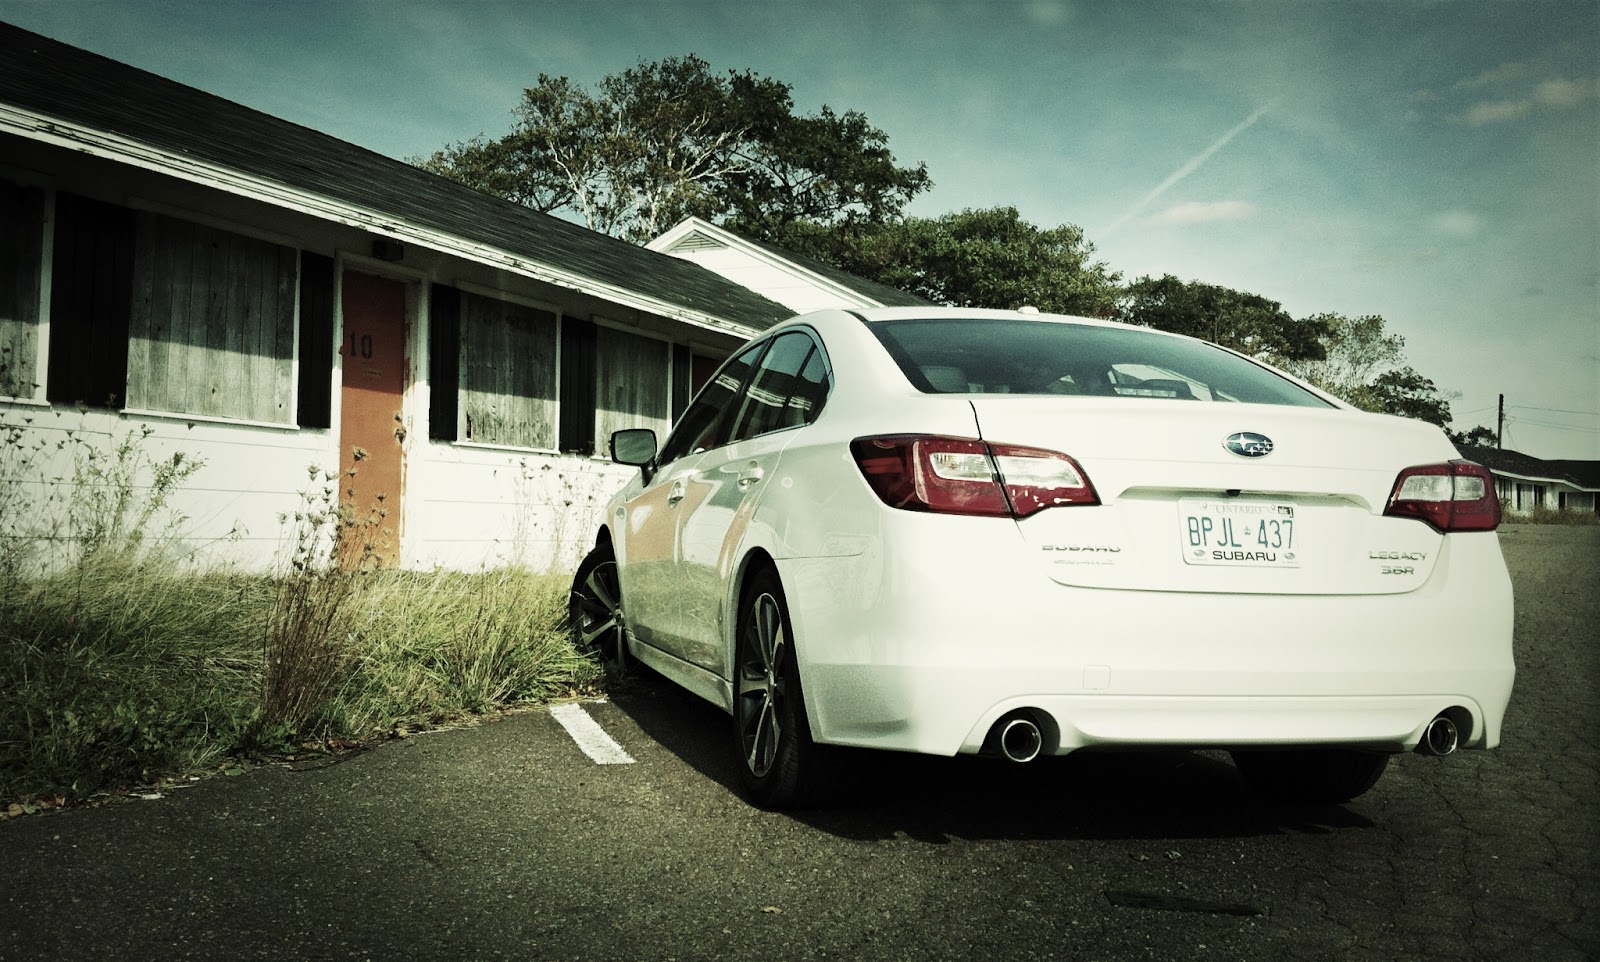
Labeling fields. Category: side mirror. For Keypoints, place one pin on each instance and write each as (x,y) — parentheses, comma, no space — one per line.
(635,446)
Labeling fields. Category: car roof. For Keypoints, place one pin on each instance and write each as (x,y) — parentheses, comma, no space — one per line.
(874,314)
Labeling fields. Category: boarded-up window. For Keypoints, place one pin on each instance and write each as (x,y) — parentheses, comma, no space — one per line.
(21,242)
(631,374)
(212,325)
(508,373)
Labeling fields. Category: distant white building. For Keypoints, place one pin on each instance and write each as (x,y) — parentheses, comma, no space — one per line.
(1526,484)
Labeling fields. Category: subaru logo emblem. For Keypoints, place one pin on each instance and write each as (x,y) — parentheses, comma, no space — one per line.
(1248,444)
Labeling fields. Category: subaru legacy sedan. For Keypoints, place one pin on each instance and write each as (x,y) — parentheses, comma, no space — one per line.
(960,531)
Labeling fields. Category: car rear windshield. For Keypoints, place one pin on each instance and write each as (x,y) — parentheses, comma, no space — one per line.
(1004,356)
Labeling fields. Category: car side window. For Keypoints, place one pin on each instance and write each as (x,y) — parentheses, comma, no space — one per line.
(701,424)
(786,391)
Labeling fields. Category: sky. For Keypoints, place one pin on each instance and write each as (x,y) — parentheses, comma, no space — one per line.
(1435,162)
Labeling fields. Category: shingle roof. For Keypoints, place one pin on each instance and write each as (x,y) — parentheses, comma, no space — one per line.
(55,80)
(1582,474)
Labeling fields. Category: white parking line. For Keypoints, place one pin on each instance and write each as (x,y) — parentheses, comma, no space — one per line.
(589,735)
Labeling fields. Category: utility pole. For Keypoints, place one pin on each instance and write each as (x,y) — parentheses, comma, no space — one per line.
(1500,425)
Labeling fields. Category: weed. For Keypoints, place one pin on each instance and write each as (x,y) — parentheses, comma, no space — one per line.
(438,645)
(303,644)
(118,666)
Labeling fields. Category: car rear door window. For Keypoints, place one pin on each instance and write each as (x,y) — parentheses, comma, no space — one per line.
(704,423)
(786,391)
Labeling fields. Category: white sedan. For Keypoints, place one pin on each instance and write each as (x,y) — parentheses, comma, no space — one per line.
(961,531)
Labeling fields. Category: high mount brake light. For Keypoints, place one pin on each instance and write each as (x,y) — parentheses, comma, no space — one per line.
(1454,496)
(920,472)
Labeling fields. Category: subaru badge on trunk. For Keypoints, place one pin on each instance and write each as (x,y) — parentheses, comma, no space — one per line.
(1248,444)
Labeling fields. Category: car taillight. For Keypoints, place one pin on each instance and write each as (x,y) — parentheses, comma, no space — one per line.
(919,472)
(1455,496)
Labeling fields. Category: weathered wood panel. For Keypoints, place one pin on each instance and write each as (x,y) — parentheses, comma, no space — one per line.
(212,323)
(21,245)
(280,335)
(508,372)
(631,384)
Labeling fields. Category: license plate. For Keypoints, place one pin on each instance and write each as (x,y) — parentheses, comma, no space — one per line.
(1239,533)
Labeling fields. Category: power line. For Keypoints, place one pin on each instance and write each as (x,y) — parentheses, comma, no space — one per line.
(1553,425)
(1529,407)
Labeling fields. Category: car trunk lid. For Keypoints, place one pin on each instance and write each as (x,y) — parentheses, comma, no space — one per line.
(1211,497)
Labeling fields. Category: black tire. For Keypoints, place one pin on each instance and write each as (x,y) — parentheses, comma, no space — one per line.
(595,614)
(1317,775)
(779,765)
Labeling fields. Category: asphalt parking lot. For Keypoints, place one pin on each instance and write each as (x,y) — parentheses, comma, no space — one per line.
(507,841)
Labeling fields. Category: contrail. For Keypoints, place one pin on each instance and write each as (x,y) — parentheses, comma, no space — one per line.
(1190,166)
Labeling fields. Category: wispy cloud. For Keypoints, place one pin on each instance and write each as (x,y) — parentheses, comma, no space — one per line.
(1495,76)
(1458,223)
(1553,93)
(1189,167)
(1198,212)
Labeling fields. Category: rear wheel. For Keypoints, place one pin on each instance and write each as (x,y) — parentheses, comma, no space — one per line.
(780,766)
(594,612)
(1327,775)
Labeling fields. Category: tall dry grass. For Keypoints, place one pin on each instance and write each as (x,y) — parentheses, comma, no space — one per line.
(120,662)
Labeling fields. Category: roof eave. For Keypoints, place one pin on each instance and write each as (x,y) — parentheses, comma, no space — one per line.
(1541,479)
(102,144)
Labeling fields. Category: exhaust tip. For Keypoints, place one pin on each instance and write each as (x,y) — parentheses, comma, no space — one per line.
(1440,738)
(1020,739)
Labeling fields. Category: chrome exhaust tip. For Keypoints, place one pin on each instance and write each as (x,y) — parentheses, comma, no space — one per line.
(1020,739)
(1440,738)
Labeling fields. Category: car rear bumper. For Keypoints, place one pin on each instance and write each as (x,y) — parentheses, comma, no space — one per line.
(924,651)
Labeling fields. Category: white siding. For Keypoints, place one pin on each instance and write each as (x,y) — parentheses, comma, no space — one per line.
(794,291)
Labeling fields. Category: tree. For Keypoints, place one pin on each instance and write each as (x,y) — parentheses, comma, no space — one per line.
(1477,438)
(974,258)
(1248,323)
(832,169)
(1353,350)
(669,139)
(1409,394)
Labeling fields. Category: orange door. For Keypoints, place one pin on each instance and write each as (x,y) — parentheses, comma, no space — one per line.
(371,420)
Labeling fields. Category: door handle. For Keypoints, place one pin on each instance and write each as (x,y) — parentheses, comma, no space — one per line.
(676,494)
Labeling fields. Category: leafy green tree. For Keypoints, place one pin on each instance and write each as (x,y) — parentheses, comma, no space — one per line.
(1477,438)
(833,170)
(1409,394)
(974,258)
(1248,323)
(1354,350)
(670,139)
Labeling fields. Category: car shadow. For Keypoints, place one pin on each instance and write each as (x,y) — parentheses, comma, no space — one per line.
(1165,794)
